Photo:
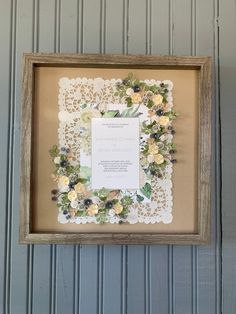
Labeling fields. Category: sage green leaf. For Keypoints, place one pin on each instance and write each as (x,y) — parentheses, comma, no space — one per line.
(147,190)
(85,172)
(111,114)
(140,198)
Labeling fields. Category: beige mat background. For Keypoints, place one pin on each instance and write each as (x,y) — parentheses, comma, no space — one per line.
(45,126)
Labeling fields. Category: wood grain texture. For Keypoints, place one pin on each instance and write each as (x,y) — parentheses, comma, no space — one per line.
(203,64)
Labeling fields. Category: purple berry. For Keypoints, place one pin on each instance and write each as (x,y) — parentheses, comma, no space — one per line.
(87,202)
(159,112)
(109,205)
(136,88)
(63,163)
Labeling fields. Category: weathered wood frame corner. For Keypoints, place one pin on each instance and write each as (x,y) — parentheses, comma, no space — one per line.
(202,64)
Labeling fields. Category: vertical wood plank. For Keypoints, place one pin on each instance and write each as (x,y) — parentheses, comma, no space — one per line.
(112,278)
(181,27)
(68,26)
(41,280)
(114,27)
(160,16)
(159,279)
(19,266)
(137,27)
(5,61)
(205,20)
(88,289)
(182,280)
(65,279)
(91,26)
(208,257)
(46,28)
(207,301)
(136,279)
(227,50)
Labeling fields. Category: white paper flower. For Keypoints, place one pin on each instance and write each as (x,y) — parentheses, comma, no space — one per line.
(87,114)
(57,160)
(74,203)
(111,213)
(62,218)
(63,189)
(150,158)
(129,91)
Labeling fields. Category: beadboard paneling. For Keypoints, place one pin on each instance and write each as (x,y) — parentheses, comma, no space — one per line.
(59,279)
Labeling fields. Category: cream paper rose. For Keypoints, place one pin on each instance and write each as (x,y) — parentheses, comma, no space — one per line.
(153,149)
(118,208)
(136,98)
(163,120)
(63,181)
(79,188)
(157,99)
(92,210)
(72,196)
(159,159)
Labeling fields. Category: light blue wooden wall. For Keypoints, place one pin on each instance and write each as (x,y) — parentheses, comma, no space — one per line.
(118,279)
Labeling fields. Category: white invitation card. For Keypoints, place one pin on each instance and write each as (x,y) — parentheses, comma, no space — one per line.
(115,153)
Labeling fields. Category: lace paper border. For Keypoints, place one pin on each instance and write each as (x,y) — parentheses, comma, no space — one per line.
(73,93)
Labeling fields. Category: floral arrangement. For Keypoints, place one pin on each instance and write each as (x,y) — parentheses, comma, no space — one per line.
(73,194)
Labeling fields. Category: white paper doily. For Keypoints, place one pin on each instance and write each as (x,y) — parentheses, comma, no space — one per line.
(73,94)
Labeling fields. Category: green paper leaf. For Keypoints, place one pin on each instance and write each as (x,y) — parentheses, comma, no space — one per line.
(54,151)
(147,190)
(110,114)
(130,112)
(85,172)
(126,200)
(140,198)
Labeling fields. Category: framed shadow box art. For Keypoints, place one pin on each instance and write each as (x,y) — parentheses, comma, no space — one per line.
(116,149)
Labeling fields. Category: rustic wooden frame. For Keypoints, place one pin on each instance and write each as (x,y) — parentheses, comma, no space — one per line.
(202,64)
